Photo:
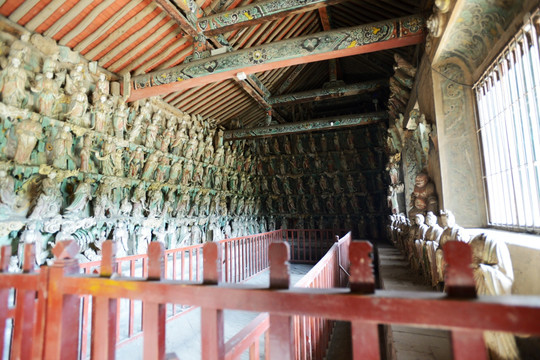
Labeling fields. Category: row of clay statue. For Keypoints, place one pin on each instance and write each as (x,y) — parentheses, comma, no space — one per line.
(335,183)
(422,241)
(111,197)
(315,163)
(323,204)
(279,146)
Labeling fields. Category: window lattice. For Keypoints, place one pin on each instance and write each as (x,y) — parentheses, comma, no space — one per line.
(508,102)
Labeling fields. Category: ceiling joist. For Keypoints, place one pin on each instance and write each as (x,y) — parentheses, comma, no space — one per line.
(317,47)
(328,93)
(306,126)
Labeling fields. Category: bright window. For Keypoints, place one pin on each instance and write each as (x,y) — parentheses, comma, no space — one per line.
(508,102)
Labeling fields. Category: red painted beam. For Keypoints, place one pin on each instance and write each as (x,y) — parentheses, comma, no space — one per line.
(148,85)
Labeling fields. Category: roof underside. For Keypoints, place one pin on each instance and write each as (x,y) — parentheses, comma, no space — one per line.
(138,36)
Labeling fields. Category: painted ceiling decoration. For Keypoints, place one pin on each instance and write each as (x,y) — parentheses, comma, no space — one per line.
(189,52)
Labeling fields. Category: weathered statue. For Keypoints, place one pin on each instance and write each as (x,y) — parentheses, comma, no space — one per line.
(152,132)
(150,165)
(175,172)
(425,191)
(13,82)
(144,236)
(49,201)
(121,238)
(154,204)
(61,149)
(180,141)
(336,183)
(136,128)
(431,242)
(102,115)
(47,89)
(108,150)
(32,235)
(451,231)
(493,275)
(103,201)
(78,106)
(186,173)
(28,133)
(81,198)
(415,255)
(166,139)
(86,152)
(125,207)
(136,161)
(102,88)
(7,194)
(139,199)
(163,168)
(120,120)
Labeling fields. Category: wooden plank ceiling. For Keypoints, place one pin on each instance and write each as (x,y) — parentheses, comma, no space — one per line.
(139,36)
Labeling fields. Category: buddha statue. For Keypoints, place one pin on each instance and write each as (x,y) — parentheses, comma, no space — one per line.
(423,197)
(431,242)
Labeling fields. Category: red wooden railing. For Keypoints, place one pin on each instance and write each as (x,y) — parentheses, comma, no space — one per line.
(47,305)
(311,334)
(243,257)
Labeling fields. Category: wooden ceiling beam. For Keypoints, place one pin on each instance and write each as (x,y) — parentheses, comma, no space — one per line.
(186,24)
(328,93)
(290,79)
(310,48)
(330,123)
(257,13)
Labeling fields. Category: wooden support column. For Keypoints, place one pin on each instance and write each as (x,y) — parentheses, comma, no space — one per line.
(310,48)
(365,335)
(328,93)
(257,13)
(306,126)
(212,321)
(281,326)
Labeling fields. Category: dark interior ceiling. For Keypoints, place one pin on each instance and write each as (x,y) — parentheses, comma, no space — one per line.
(140,36)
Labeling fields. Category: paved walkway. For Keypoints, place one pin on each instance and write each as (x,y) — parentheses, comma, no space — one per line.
(184,333)
(410,343)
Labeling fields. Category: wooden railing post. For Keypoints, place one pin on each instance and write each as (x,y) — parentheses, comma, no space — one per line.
(459,283)
(62,319)
(281,327)
(212,322)
(365,335)
(104,310)
(5,256)
(154,314)
(24,312)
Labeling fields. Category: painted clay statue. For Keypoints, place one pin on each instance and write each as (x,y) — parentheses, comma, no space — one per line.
(493,275)
(47,89)
(7,194)
(425,191)
(151,133)
(108,150)
(451,232)
(28,133)
(102,115)
(78,106)
(136,162)
(13,82)
(136,128)
(49,201)
(61,148)
(81,197)
(151,165)
(431,242)
(120,120)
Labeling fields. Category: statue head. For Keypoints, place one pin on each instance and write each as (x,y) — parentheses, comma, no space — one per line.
(431,219)
(421,180)
(419,219)
(477,248)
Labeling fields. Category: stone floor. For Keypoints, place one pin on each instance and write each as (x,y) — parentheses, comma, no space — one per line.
(410,343)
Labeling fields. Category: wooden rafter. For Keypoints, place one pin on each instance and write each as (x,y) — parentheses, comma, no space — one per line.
(257,13)
(307,126)
(310,48)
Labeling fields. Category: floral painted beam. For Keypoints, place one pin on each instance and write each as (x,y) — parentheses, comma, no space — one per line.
(257,13)
(326,45)
(328,93)
(307,126)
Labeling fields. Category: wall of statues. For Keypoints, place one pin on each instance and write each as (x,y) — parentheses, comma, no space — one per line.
(323,180)
(77,162)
